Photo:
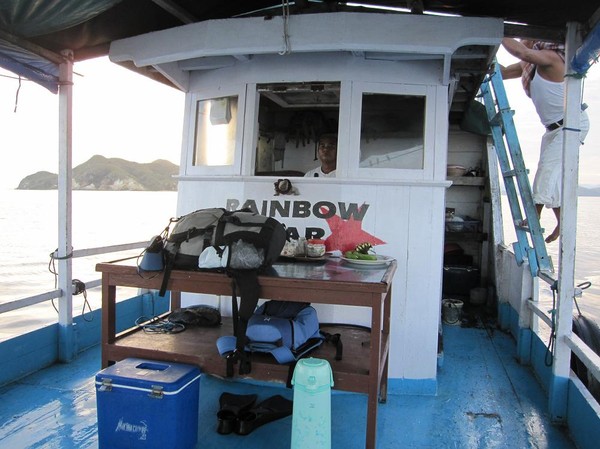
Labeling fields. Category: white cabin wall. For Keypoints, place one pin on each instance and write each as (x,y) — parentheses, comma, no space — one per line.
(341,66)
(408,214)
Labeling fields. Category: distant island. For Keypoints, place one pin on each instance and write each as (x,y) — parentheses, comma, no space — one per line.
(101,173)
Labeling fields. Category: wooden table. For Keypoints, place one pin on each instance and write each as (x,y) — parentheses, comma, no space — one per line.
(364,365)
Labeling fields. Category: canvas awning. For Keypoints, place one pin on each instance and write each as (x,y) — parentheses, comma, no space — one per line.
(33,34)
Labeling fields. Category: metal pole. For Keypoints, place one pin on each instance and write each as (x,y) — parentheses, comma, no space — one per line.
(568,219)
(66,346)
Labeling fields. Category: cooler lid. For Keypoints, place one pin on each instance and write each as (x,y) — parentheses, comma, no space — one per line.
(148,375)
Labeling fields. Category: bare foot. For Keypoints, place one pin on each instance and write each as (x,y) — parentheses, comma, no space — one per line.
(555,234)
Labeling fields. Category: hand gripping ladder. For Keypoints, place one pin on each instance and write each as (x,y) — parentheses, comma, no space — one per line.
(500,116)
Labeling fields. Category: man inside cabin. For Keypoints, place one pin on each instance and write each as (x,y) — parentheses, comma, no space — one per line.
(327,154)
(542,71)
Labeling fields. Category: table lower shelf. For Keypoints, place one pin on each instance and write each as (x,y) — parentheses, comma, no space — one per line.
(197,346)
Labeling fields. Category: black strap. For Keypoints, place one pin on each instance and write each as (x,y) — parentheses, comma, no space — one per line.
(336,339)
(246,281)
(170,258)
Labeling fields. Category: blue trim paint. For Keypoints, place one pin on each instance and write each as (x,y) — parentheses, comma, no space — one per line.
(504,312)
(28,353)
(583,416)
(524,346)
(425,387)
(66,342)
(39,349)
(559,389)
(539,357)
(582,413)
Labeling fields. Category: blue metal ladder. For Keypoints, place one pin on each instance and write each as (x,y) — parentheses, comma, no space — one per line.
(530,242)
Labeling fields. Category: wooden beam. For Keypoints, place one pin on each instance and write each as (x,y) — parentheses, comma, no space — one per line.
(177,11)
(33,48)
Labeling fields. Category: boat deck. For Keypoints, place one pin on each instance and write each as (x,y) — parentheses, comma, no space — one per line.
(485,400)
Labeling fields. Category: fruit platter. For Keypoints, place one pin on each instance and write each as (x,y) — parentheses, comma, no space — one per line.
(364,255)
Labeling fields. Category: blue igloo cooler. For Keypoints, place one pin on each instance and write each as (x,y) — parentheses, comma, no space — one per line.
(147,404)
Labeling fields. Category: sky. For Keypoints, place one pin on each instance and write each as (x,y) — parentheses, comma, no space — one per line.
(118,113)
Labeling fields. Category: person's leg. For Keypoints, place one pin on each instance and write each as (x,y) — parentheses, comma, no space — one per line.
(538,208)
(556,233)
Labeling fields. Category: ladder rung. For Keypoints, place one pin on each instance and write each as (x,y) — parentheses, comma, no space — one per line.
(509,173)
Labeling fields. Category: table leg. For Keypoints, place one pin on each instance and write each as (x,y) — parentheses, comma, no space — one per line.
(375,357)
(108,316)
(387,311)
(175,300)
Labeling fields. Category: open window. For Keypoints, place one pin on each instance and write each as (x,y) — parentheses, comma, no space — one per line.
(390,128)
(392,131)
(291,118)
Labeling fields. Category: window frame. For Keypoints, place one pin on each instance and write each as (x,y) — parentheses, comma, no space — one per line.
(354,132)
(195,97)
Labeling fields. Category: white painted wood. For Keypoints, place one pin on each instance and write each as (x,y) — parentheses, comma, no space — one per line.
(360,88)
(590,359)
(566,270)
(173,72)
(440,133)
(396,55)
(298,67)
(238,91)
(356,32)
(65,176)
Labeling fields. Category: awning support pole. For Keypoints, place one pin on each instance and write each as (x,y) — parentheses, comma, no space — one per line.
(66,345)
(568,219)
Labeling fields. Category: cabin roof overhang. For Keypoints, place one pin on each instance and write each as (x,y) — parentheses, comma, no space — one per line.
(34,34)
(465,46)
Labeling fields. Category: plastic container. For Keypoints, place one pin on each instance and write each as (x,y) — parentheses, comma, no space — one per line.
(459,280)
(315,248)
(452,311)
(311,419)
(147,404)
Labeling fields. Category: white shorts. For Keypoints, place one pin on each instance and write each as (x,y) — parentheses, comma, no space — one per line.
(548,177)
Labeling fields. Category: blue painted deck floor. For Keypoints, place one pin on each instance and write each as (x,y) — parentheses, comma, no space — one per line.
(485,400)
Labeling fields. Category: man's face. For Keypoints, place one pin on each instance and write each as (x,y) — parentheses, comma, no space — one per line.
(327,150)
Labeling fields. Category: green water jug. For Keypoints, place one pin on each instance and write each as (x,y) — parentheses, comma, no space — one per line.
(311,418)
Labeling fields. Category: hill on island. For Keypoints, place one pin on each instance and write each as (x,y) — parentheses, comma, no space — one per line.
(101,173)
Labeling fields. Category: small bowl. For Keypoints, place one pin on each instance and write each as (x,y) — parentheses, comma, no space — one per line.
(456,224)
(455,170)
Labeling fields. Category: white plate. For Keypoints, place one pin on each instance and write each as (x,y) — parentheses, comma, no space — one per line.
(381,260)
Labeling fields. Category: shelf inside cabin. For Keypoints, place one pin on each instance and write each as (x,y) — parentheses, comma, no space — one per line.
(467,180)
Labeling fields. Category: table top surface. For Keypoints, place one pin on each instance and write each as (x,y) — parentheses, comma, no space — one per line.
(330,269)
(333,269)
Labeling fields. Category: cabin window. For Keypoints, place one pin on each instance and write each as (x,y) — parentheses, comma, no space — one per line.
(215,132)
(392,131)
(291,118)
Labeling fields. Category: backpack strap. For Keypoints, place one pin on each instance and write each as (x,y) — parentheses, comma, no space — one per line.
(247,283)
(169,261)
(336,339)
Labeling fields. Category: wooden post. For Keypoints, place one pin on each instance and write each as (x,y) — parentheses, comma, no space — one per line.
(568,219)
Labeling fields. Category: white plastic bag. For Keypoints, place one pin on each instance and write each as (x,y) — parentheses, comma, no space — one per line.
(210,258)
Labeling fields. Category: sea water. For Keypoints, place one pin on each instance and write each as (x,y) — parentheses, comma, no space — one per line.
(28,226)
(29,230)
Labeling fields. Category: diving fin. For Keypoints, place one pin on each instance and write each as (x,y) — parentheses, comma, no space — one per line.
(275,407)
(231,406)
